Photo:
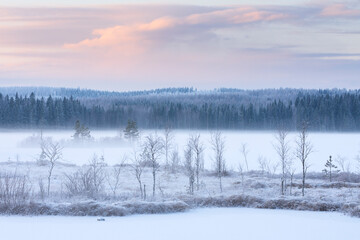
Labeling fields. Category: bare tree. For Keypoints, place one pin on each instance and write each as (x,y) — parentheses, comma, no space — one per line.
(345,166)
(114,177)
(245,152)
(153,149)
(168,144)
(51,153)
(342,162)
(303,149)
(189,166)
(264,165)
(282,148)
(197,147)
(96,168)
(241,172)
(138,167)
(41,189)
(291,169)
(174,161)
(218,146)
(41,160)
(274,168)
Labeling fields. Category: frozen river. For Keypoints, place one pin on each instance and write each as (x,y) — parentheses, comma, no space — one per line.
(259,144)
(207,224)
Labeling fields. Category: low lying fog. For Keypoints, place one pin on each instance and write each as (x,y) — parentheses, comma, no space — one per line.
(24,146)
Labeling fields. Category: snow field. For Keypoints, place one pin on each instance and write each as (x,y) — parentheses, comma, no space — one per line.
(209,224)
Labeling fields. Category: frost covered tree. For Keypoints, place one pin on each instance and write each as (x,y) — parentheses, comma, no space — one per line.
(330,168)
(113,177)
(138,165)
(344,166)
(168,144)
(153,149)
(264,165)
(174,161)
(189,167)
(303,149)
(197,148)
(343,163)
(50,153)
(282,149)
(245,152)
(97,169)
(218,145)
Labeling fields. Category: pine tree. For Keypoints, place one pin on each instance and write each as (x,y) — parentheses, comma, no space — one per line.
(81,132)
(131,131)
(329,168)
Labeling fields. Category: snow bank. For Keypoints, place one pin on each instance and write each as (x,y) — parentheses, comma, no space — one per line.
(94,208)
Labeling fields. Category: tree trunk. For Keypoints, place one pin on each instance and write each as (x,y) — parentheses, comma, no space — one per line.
(154,181)
(197,178)
(303,182)
(141,190)
(144,192)
(48,188)
(220,181)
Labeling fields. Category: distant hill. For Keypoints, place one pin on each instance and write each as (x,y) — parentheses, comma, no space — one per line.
(86,93)
(181,108)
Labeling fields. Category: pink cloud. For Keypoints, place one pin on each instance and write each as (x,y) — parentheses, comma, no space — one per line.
(135,38)
(126,39)
(339,10)
(142,45)
(235,16)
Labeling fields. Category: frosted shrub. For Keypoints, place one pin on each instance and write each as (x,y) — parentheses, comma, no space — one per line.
(14,189)
(88,181)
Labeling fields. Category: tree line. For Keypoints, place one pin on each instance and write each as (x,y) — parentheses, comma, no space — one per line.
(324,110)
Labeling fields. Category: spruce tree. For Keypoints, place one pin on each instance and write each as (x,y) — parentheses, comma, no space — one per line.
(131,131)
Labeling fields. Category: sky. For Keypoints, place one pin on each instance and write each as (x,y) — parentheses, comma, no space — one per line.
(132,45)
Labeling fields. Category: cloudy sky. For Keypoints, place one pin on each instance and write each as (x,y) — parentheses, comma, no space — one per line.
(128,45)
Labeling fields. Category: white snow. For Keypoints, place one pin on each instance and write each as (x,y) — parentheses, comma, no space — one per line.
(207,224)
(259,144)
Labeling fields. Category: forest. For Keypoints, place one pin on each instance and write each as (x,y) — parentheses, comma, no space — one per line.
(183,108)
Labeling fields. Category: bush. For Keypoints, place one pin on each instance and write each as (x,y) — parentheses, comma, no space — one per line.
(93,208)
(14,189)
(87,181)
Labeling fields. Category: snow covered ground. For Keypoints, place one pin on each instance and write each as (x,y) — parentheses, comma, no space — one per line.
(14,147)
(209,224)
(258,189)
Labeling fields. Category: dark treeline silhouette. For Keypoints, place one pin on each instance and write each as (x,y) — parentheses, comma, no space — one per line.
(186,108)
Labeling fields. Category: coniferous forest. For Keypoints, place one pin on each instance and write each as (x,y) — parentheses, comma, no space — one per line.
(184,108)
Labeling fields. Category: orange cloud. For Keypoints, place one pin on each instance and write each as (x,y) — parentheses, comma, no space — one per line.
(339,10)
